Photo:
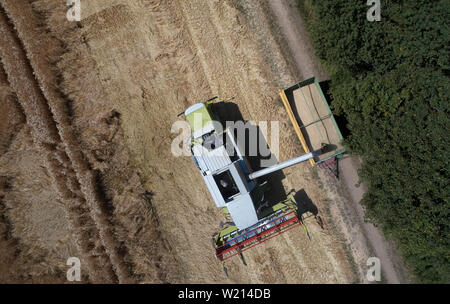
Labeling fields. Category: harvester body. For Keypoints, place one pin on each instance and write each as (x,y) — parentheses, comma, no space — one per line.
(233,186)
(222,166)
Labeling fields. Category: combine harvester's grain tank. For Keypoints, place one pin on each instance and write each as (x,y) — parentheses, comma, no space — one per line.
(251,219)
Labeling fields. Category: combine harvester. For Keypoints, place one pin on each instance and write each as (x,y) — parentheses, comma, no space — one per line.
(251,219)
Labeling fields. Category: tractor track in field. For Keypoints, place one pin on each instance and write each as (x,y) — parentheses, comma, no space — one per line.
(84,213)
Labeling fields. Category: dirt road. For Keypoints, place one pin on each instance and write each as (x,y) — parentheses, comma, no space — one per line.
(299,44)
(364,239)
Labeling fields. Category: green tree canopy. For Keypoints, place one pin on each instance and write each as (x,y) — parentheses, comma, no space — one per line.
(391,81)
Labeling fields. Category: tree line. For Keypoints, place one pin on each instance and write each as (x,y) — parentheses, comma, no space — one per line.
(390,79)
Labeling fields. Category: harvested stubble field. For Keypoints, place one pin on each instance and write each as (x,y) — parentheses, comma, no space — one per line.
(86,168)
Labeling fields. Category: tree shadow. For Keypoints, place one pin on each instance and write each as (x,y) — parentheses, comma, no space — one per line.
(341,120)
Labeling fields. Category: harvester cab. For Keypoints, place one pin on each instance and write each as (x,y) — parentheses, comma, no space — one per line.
(250,219)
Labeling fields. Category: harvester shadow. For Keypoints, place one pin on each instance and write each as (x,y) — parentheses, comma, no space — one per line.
(305,204)
(258,157)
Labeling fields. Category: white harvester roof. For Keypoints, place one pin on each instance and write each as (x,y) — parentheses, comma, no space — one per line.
(211,161)
(225,173)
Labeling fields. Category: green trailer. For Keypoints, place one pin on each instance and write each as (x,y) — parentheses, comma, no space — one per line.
(313,121)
